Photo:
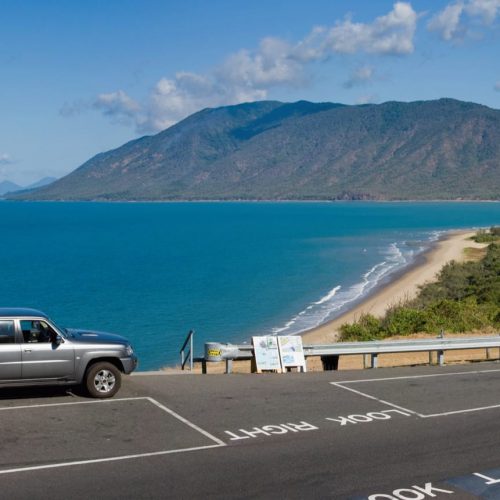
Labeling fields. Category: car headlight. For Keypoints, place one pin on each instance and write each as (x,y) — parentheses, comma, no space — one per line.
(129,350)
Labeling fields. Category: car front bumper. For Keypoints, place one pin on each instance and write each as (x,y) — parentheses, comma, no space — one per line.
(129,363)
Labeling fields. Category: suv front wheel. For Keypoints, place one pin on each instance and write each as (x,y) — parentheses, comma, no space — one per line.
(103,380)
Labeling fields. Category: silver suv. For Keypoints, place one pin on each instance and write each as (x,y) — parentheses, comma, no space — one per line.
(34,350)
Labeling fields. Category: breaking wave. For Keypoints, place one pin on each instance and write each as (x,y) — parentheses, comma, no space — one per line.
(343,296)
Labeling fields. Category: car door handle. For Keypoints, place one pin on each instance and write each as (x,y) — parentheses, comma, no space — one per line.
(27,350)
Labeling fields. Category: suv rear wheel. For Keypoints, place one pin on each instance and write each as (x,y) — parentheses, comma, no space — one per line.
(103,380)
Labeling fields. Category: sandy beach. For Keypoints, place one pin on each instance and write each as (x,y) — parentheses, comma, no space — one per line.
(450,247)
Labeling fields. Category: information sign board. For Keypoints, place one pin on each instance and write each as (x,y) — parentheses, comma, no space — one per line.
(266,351)
(291,352)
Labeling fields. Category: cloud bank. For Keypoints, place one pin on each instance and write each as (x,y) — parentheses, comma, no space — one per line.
(455,20)
(6,159)
(249,75)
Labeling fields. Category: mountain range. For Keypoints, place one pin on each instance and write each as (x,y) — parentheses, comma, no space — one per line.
(441,149)
(12,187)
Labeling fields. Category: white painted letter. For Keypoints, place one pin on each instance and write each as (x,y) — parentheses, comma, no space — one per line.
(304,426)
(489,480)
(274,429)
(378,415)
(360,418)
(235,436)
(341,420)
(428,489)
(403,494)
(256,430)
(287,426)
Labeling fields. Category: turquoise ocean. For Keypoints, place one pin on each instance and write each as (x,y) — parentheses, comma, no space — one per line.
(153,271)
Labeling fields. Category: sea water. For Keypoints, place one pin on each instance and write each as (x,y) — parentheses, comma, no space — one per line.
(153,271)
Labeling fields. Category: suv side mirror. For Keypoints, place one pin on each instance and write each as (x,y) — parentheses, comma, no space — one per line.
(55,338)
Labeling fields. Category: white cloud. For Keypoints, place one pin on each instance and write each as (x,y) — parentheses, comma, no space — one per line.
(360,76)
(248,75)
(447,22)
(118,105)
(454,21)
(487,10)
(6,159)
(389,34)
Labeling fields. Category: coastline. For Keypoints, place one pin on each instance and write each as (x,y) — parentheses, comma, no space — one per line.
(404,286)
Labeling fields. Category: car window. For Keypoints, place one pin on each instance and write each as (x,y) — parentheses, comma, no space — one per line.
(35,331)
(7,332)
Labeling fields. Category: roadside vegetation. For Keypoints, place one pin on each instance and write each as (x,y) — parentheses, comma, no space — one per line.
(465,298)
(491,236)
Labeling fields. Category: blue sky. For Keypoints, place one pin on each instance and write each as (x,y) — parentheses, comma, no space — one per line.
(79,78)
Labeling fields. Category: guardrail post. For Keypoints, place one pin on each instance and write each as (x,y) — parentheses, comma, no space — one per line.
(374,361)
(440,358)
(229,366)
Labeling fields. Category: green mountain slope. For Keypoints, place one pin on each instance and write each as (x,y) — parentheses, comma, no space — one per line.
(444,149)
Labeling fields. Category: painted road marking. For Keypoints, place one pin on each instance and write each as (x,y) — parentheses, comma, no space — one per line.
(480,485)
(412,493)
(217,442)
(484,484)
(342,385)
(382,401)
(280,429)
(371,416)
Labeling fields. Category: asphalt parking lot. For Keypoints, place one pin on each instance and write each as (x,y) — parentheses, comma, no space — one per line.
(427,432)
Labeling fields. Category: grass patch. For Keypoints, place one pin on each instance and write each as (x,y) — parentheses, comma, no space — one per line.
(474,253)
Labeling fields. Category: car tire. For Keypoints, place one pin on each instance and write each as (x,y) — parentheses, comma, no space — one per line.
(103,380)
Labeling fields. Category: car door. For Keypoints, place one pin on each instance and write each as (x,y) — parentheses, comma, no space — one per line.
(41,358)
(10,351)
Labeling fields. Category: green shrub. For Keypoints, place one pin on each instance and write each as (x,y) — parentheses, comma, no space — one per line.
(483,236)
(403,320)
(366,328)
(458,317)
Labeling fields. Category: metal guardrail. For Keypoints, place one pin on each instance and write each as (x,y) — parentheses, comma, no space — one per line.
(374,348)
(330,352)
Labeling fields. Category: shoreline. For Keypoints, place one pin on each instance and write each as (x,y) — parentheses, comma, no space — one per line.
(403,286)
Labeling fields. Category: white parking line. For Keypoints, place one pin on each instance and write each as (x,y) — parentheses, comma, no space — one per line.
(376,399)
(47,405)
(187,422)
(110,459)
(414,376)
(342,383)
(218,442)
